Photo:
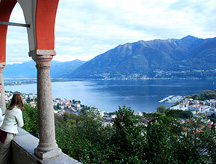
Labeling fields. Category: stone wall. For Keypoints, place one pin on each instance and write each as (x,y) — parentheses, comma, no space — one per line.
(23,147)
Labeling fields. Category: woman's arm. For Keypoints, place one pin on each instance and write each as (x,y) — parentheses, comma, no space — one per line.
(1,117)
(19,118)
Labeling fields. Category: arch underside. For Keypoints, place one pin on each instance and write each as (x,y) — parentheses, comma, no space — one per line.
(40,14)
(6,7)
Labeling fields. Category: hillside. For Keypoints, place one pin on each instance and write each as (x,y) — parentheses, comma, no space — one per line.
(189,57)
(186,57)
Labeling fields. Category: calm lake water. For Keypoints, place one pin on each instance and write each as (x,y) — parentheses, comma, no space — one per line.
(140,95)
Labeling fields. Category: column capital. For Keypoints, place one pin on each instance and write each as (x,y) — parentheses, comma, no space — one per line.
(42,57)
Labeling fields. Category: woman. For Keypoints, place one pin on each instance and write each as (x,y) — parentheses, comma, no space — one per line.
(13,118)
(1,114)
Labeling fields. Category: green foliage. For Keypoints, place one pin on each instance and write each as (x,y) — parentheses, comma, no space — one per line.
(213,117)
(205,95)
(151,115)
(76,101)
(179,114)
(128,138)
(164,140)
(161,109)
(28,99)
(179,102)
(171,142)
(185,114)
(111,113)
(30,118)
(198,140)
(83,137)
(159,143)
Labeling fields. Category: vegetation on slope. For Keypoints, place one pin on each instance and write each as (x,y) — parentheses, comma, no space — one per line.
(189,57)
(205,95)
(164,140)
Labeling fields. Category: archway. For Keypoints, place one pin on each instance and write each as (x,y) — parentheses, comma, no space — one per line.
(40,22)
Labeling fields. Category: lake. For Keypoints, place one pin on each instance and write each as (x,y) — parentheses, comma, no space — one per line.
(108,95)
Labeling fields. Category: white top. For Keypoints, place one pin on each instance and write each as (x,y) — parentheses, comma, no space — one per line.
(1,117)
(13,118)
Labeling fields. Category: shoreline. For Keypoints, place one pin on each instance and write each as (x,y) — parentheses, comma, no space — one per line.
(140,95)
(21,81)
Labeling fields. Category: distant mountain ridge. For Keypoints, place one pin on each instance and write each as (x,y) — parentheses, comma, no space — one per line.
(189,57)
(154,59)
(28,69)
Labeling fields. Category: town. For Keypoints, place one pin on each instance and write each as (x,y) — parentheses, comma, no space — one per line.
(62,106)
(197,108)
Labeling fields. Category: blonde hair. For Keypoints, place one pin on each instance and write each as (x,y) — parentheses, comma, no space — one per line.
(17,101)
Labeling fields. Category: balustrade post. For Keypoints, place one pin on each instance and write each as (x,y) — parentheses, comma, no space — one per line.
(47,144)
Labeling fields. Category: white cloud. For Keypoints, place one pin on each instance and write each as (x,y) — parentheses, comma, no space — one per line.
(17,14)
(85,28)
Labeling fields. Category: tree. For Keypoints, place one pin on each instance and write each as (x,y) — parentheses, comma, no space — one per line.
(179,114)
(86,140)
(30,116)
(158,141)
(161,109)
(164,140)
(168,143)
(185,114)
(128,138)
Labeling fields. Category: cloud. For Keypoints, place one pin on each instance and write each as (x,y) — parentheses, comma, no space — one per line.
(199,16)
(85,28)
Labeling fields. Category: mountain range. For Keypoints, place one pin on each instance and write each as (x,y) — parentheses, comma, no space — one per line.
(189,57)
(186,57)
(28,70)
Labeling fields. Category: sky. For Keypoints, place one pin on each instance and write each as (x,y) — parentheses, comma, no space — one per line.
(87,28)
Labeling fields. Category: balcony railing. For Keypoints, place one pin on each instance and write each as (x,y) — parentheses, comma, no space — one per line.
(23,147)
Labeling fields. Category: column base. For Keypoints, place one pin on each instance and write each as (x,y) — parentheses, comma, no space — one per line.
(48,154)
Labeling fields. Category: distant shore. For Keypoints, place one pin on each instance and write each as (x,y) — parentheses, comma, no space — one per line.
(20,81)
(108,95)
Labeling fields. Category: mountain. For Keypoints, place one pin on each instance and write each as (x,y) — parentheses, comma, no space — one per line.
(28,69)
(21,70)
(154,59)
(189,57)
(62,69)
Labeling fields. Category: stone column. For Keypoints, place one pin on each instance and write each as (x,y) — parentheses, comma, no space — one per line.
(2,93)
(47,147)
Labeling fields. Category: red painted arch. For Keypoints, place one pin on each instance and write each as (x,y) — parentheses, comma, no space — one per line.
(6,7)
(45,24)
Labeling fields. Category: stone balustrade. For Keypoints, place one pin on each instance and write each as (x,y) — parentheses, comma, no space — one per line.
(23,147)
